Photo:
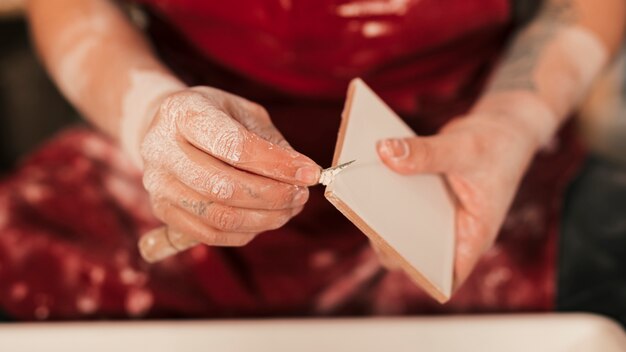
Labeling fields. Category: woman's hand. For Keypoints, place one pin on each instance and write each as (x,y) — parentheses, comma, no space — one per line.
(217,169)
(482,159)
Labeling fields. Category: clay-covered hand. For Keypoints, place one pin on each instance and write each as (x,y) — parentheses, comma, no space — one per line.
(218,170)
(482,159)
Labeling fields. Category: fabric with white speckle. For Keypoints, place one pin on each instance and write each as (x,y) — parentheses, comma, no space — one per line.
(71,215)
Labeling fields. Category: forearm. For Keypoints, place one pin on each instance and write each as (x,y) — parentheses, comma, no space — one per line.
(102,64)
(551,64)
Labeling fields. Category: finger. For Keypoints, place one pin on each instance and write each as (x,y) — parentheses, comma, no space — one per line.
(221,183)
(436,154)
(161,243)
(213,131)
(182,221)
(229,219)
(256,119)
(251,115)
(473,240)
(223,217)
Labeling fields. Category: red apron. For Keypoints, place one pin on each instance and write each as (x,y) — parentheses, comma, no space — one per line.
(72,213)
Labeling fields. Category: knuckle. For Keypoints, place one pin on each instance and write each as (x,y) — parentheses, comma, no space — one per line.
(148,148)
(220,186)
(159,208)
(229,144)
(171,106)
(259,110)
(421,153)
(226,218)
(269,132)
(279,220)
(283,199)
(187,110)
(197,207)
(197,117)
(151,181)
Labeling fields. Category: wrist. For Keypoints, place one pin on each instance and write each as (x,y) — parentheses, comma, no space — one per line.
(146,91)
(521,110)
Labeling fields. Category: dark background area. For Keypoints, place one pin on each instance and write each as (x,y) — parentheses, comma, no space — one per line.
(31,108)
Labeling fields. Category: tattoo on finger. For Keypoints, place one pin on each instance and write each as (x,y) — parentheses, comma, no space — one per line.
(198,207)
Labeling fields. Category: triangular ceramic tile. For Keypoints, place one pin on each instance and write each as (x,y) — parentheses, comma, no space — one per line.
(410,218)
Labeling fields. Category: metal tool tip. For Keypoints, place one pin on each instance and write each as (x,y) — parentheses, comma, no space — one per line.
(329,174)
(344,164)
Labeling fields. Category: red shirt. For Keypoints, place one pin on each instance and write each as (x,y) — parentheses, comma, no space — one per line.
(427,58)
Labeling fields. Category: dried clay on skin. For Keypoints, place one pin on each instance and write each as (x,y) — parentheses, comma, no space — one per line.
(210,127)
(146,90)
(74,47)
(580,54)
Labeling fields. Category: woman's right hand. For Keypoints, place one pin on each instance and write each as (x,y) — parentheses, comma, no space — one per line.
(218,170)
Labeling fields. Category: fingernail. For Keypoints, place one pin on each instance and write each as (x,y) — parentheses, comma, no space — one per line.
(394,148)
(308,175)
(301,196)
(155,247)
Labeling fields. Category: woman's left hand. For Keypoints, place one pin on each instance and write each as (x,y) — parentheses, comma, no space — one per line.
(483,159)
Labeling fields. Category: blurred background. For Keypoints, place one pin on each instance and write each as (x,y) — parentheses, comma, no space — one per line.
(592,258)
(31,109)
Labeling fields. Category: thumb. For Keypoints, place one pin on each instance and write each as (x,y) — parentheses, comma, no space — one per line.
(436,154)
(256,119)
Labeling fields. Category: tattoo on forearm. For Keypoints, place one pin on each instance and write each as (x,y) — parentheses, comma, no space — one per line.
(517,67)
